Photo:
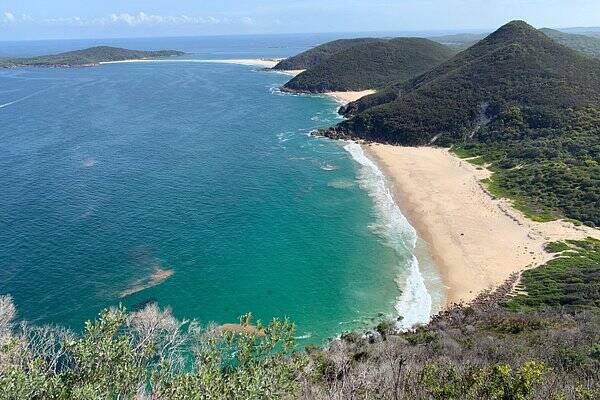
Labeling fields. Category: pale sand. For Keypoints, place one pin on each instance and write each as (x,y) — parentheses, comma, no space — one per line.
(141,60)
(261,62)
(476,241)
(348,97)
(290,72)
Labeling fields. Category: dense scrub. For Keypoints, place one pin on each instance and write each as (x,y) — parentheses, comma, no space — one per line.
(544,344)
(541,341)
(483,351)
(145,355)
(530,108)
(318,54)
(372,65)
(584,43)
(89,56)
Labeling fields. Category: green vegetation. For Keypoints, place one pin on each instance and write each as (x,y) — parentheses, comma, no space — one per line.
(587,43)
(528,107)
(461,41)
(371,65)
(570,281)
(584,43)
(318,54)
(482,351)
(541,343)
(91,56)
(147,354)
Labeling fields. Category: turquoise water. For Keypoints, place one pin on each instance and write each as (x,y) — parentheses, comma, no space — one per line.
(110,174)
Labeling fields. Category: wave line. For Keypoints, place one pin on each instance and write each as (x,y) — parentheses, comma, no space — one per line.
(21,99)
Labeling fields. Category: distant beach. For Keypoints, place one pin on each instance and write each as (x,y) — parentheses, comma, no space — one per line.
(348,97)
(476,241)
(340,97)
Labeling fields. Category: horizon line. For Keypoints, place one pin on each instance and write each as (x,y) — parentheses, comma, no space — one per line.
(442,32)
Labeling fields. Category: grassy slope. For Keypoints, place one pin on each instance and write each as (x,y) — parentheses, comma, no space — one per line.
(570,281)
(372,65)
(526,105)
(92,55)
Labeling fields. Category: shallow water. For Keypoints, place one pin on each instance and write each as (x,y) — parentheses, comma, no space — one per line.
(112,176)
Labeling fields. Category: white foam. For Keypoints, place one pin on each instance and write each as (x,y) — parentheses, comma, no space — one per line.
(414,304)
(341,184)
(303,337)
(21,99)
(329,167)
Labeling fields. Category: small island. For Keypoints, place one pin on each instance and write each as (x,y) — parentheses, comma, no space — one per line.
(87,57)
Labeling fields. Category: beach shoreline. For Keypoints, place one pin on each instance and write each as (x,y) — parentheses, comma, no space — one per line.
(476,242)
(341,97)
(349,96)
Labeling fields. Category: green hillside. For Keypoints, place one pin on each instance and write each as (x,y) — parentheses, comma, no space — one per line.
(372,65)
(91,56)
(316,55)
(460,40)
(584,43)
(529,107)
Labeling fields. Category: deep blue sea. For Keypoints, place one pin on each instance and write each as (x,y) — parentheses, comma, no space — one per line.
(198,186)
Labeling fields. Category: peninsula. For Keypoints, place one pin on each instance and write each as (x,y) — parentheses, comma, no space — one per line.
(88,57)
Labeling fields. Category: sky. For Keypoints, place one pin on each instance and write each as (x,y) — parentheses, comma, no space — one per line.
(71,19)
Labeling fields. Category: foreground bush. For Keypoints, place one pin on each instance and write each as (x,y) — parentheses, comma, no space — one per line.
(146,355)
(504,346)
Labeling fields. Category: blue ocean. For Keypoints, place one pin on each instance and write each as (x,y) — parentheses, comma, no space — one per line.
(198,186)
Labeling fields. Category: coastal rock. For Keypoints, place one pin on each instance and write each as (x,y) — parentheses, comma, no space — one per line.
(374,337)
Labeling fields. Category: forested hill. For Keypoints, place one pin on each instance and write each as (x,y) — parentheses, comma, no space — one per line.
(318,54)
(91,56)
(372,65)
(527,105)
(584,43)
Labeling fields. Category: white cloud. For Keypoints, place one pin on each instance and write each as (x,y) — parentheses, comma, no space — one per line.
(148,19)
(127,19)
(139,19)
(248,21)
(12,18)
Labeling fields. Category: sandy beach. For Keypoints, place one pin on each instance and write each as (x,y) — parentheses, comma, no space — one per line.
(476,241)
(141,60)
(261,62)
(348,97)
(340,97)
